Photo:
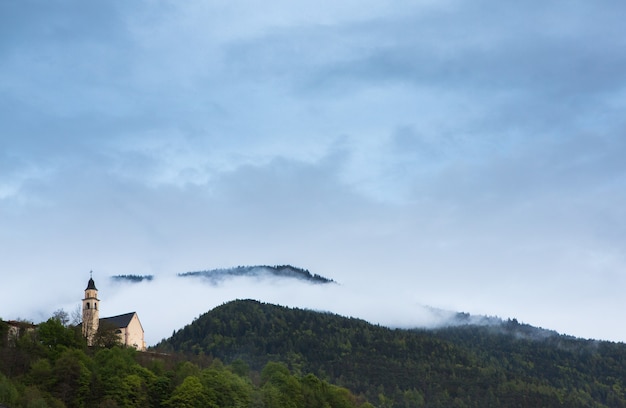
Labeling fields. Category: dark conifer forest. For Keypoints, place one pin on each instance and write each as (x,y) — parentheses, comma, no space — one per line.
(507,364)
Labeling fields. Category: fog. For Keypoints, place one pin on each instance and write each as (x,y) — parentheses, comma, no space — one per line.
(168,303)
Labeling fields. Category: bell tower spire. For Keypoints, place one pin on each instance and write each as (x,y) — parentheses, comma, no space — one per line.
(91,310)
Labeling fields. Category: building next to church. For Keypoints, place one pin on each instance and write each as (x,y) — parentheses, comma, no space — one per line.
(126,326)
(15,329)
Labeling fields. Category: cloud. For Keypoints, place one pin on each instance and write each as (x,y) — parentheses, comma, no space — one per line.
(472,153)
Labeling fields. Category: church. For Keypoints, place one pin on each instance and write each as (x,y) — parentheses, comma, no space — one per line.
(127,326)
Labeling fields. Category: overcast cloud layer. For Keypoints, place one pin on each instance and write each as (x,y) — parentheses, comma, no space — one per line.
(468,156)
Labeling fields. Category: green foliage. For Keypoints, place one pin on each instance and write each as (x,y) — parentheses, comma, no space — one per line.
(186,369)
(54,335)
(280,357)
(226,389)
(190,394)
(8,392)
(61,372)
(41,374)
(279,388)
(31,397)
(72,378)
(119,378)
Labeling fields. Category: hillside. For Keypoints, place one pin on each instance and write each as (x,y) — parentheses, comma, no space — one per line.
(50,366)
(505,364)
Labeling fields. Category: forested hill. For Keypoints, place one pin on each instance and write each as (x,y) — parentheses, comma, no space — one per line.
(215,276)
(504,365)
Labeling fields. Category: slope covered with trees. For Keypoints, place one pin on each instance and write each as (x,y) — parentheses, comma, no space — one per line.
(249,354)
(506,365)
(51,366)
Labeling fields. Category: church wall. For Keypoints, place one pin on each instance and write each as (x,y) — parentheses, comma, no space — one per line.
(134,334)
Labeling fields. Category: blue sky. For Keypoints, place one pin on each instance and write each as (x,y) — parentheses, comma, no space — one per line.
(467,156)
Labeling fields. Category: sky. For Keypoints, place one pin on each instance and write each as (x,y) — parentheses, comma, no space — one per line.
(453,155)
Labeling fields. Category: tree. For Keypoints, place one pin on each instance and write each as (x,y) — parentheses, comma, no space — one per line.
(226,388)
(159,390)
(313,390)
(8,393)
(53,334)
(62,316)
(185,370)
(72,378)
(32,398)
(190,394)
(41,374)
(106,336)
(111,367)
(76,316)
(135,392)
(4,333)
(280,388)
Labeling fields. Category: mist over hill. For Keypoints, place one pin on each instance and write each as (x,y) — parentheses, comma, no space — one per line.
(217,276)
(285,285)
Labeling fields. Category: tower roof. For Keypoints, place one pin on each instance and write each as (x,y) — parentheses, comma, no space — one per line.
(91,284)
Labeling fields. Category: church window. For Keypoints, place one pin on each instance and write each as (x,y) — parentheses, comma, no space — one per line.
(87,305)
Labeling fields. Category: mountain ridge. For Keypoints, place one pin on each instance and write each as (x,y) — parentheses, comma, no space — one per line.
(258,271)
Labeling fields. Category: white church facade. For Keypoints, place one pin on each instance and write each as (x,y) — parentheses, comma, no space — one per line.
(127,326)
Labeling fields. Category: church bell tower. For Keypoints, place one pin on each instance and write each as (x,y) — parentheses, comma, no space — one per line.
(91,311)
